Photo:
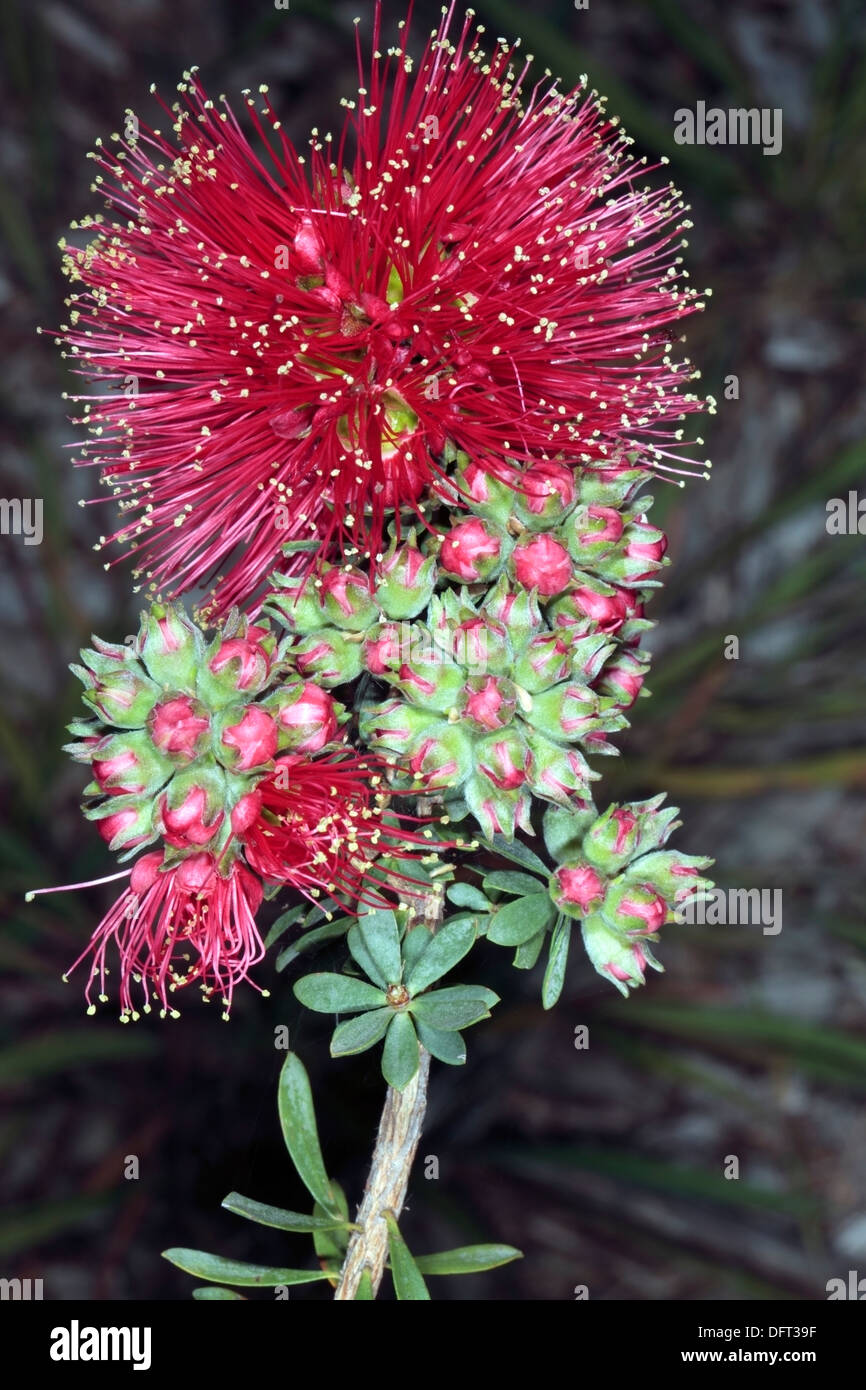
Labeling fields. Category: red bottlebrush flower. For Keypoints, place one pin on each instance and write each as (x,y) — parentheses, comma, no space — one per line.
(321,826)
(305,341)
(176,925)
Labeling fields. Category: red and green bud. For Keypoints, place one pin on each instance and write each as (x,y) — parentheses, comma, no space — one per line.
(635,908)
(612,482)
(590,602)
(544,494)
(577,889)
(129,762)
(329,656)
(488,702)
(473,550)
(546,660)
(246,738)
(541,563)
(123,822)
(676,876)
(238,666)
(622,678)
(591,533)
(405,581)
(170,645)
(517,610)
(307,716)
(345,599)
(558,774)
(191,811)
(124,698)
(615,957)
(180,728)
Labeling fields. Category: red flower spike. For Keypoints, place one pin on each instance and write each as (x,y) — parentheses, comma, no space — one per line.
(306,342)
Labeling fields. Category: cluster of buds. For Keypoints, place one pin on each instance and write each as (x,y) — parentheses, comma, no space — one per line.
(184,729)
(554,533)
(491,703)
(617,879)
(238,769)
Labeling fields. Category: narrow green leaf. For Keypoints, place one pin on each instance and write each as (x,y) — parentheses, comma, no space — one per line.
(444,1045)
(408,1283)
(205,1266)
(400,1055)
(328,993)
(450,944)
(518,853)
(283,922)
(298,1120)
(468,1259)
(212,1293)
(281,1220)
(415,943)
(521,919)
(512,881)
(467,895)
(375,943)
(528,952)
(557,959)
(357,1034)
(365,1286)
(330,1246)
(310,939)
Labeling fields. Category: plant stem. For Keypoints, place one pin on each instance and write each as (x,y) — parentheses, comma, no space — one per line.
(396,1143)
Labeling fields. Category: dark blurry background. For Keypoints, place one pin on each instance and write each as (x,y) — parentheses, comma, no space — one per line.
(605,1166)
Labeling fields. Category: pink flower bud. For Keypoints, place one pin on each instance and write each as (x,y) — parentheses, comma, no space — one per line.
(145,871)
(253,662)
(382,652)
(637,973)
(115,829)
(489,702)
(607,611)
(118,774)
(578,889)
(178,727)
(542,564)
(470,551)
(623,679)
(308,722)
(195,873)
(497,763)
(546,490)
(254,738)
(308,247)
(185,825)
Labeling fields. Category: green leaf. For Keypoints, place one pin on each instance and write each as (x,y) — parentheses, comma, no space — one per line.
(446,1046)
(400,1055)
(457,1007)
(528,952)
(357,1034)
(466,895)
(365,1286)
(329,932)
(511,881)
(415,943)
(283,922)
(298,1120)
(468,1259)
(518,853)
(330,1246)
(554,975)
(519,920)
(281,1220)
(205,1266)
(328,993)
(375,943)
(408,1284)
(212,1293)
(442,952)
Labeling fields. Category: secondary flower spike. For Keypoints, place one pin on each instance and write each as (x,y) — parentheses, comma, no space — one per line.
(298,344)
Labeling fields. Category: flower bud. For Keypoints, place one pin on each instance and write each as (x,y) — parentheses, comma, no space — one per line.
(636,909)
(306,715)
(619,960)
(128,762)
(296,604)
(124,699)
(180,728)
(577,889)
(245,813)
(612,482)
(406,580)
(613,839)
(123,823)
(516,610)
(328,656)
(190,811)
(544,494)
(591,600)
(503,759)
(248,742)
(676,876)
(544,661)
(472,550)
(591,533)
(541,563)
(384,648)
(488,702)
(622,678)
(345,598)
(170,646)
(239,665)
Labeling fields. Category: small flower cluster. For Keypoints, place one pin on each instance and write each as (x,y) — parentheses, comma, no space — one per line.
(240,773)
